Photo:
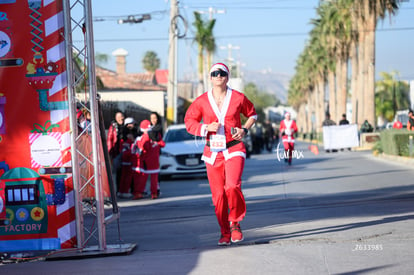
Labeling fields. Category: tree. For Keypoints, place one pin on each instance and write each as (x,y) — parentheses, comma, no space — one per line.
(343,34)
(301,90)
(150,62)
(333,31)
(391,95)
(210,45)
(81,71)
(205,42)
(260,98)
(101,58)
(369,13)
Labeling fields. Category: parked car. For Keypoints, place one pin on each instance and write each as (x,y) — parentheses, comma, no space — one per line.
(182,153)
(402,116)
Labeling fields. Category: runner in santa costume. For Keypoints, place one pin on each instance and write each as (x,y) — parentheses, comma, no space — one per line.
(126,168)
(287,129)
(149,162)
(213,115)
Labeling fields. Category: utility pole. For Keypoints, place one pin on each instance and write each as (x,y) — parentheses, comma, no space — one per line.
(212,11)
(172,65)
(230,47)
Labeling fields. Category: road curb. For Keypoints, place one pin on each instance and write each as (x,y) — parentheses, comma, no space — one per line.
(400,159)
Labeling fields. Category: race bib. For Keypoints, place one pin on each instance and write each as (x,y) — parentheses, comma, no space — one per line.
(217,143)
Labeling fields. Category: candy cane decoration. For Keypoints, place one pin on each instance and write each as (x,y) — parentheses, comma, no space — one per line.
(35,15)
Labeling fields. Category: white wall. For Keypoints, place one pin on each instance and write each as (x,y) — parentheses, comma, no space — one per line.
(153,100)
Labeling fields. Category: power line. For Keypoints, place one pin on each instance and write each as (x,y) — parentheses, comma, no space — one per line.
(260,8)
(232,36)
(232,7)
(117,17)
(238,3)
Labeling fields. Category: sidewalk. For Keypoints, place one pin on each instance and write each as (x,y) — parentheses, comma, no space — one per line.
(382,156)
(399,159)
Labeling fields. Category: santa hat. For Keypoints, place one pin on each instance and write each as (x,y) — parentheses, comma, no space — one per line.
(287,114)
(129,120)
(220,66)
(145,125)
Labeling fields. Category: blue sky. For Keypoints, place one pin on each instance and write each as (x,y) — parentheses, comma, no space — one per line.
(269,35)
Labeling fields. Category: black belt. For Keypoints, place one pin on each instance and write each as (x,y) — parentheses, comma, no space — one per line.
(228,144)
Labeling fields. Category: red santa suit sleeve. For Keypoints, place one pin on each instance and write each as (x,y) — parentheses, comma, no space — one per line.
(150,154)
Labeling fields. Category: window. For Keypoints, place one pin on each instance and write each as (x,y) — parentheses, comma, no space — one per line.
(22,194)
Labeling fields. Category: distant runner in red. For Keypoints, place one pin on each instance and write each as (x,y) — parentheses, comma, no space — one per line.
(213,115)
(287,129)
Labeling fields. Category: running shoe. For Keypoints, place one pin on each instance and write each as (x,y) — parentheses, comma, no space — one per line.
(236,233)
(224,241)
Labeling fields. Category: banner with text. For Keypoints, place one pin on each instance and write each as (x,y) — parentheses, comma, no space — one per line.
(339,137)
(36,191)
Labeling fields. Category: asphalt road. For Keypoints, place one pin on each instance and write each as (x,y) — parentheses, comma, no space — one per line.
(331,213)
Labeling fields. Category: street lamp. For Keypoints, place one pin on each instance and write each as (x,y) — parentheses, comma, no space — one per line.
(133,20)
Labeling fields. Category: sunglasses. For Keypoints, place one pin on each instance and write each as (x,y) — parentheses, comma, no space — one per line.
(217,73)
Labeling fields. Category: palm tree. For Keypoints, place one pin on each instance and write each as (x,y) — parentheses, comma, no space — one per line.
(370,12)
(353,56)
(345,30)
(343,41)
(210,45)
(101,58)
(298,101)
(151,62)
(337,25)
(80,71)
(323,34)
(205,41)
(301,91)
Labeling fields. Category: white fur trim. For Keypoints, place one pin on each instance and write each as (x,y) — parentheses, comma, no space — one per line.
(209,160)
(203,130)
(219,66)
(228,155)
(142,170)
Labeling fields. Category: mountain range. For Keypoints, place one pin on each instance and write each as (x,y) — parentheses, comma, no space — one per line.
(270,82)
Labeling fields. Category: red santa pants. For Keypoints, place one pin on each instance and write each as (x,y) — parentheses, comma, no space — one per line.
(289,147)
(224,177)
(140,182)
(126,179)
(154,182)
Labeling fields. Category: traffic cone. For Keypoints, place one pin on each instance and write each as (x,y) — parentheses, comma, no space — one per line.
(314,149)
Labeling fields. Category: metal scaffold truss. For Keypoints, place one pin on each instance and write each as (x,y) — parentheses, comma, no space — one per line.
(91,166)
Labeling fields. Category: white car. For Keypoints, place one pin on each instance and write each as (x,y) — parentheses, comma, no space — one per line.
(182,152)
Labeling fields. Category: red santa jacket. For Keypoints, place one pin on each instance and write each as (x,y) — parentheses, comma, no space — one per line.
(204,111)
(114,145)
(288,129)
(126,153)
(147,154)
